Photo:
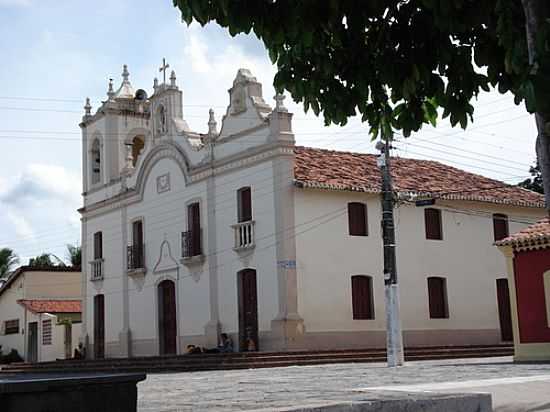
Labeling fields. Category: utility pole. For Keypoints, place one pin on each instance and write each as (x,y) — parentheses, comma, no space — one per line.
(394,338)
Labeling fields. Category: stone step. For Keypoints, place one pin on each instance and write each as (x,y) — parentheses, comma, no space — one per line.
(197,360)
(191,363)
(258,356)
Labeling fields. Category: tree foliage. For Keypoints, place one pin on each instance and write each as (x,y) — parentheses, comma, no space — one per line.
(74,254)
(42,261)
(395,63)
(8,259)
(534,183)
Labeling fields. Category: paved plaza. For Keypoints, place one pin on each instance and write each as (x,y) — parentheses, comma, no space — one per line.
(515,387)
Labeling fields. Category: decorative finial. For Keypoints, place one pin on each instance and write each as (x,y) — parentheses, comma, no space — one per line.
(212,123)
(110,92)
(173,78)
(125,73)
(88,107)
(155,84)
(279,104)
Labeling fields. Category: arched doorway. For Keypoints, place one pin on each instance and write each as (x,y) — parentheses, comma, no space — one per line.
(248,310)
(167,317)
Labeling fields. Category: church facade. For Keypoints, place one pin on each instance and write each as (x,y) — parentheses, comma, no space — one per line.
(187,235)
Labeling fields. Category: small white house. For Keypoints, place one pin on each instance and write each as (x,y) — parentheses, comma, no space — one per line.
(40,313)
(186,235)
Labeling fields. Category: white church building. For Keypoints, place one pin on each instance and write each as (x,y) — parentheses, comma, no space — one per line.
(186,235)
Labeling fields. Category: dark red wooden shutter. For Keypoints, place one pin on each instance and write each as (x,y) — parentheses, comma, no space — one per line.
(98,245)
(362,297)
(194,221)
(432,221)
(137,233)
(437,296)
(357,219)
(245,205)
(500,226)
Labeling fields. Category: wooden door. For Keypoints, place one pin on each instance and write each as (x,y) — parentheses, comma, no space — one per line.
(68,340)
(32,342)
(167,317)
(99,326)
(504,311)
(248,309)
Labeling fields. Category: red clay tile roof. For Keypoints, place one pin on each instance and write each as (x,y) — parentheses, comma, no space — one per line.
(333,170)
(532,236)
(51,306)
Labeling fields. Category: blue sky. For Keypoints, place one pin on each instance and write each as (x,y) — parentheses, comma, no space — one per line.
(56,53)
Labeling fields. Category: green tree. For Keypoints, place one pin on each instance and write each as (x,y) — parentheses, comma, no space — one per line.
(8,259)
(399,64)
(534,183)
(43,261)
(74,254)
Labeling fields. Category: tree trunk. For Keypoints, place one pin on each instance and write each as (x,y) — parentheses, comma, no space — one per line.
(536,11)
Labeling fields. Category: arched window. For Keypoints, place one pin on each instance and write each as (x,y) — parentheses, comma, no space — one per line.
(437,297)
(362,297)
(500,226)
(357,219)
(138,143)
(95,158)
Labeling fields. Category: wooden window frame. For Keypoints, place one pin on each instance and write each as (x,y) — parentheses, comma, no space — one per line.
(362,310)
(429,226)
(194,228)
(499,218)
(98,245)
(244,215)
(358,225)
(11,329)
(47,332)
(444,301)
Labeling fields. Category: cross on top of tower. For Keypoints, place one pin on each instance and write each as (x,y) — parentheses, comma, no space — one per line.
(163,68)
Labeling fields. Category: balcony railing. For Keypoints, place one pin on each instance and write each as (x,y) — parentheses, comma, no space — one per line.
(96,269)
(136,257)
(244,235)
(191,243)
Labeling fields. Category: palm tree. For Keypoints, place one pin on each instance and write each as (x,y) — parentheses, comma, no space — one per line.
(74,253)
(42,261)
(8,259)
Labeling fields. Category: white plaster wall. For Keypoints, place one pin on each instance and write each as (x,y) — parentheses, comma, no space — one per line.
(263,258)
(111,286)
(57,285)
(9,310)
(327,257)
(165,218)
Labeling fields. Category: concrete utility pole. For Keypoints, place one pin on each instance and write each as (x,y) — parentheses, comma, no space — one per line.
(394,338)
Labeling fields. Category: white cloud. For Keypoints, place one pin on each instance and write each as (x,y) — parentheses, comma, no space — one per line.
(22,227)
(41,182)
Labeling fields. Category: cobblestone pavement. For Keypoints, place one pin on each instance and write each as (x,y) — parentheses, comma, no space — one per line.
(246,390)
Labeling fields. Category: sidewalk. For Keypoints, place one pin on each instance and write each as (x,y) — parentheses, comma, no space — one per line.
(241,390)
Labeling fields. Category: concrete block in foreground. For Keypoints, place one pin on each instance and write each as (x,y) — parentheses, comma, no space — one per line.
(400,402)
(69,392)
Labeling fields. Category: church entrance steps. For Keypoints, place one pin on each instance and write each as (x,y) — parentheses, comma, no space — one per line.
(206,362)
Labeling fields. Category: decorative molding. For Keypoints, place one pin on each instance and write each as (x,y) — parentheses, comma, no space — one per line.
(163,183)
(166,261)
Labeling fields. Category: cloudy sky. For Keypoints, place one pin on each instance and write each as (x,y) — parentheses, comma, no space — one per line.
(57,52)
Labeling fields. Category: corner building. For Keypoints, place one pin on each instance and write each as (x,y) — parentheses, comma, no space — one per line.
(187,235)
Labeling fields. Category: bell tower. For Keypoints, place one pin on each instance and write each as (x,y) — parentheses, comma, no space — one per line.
(167,106)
